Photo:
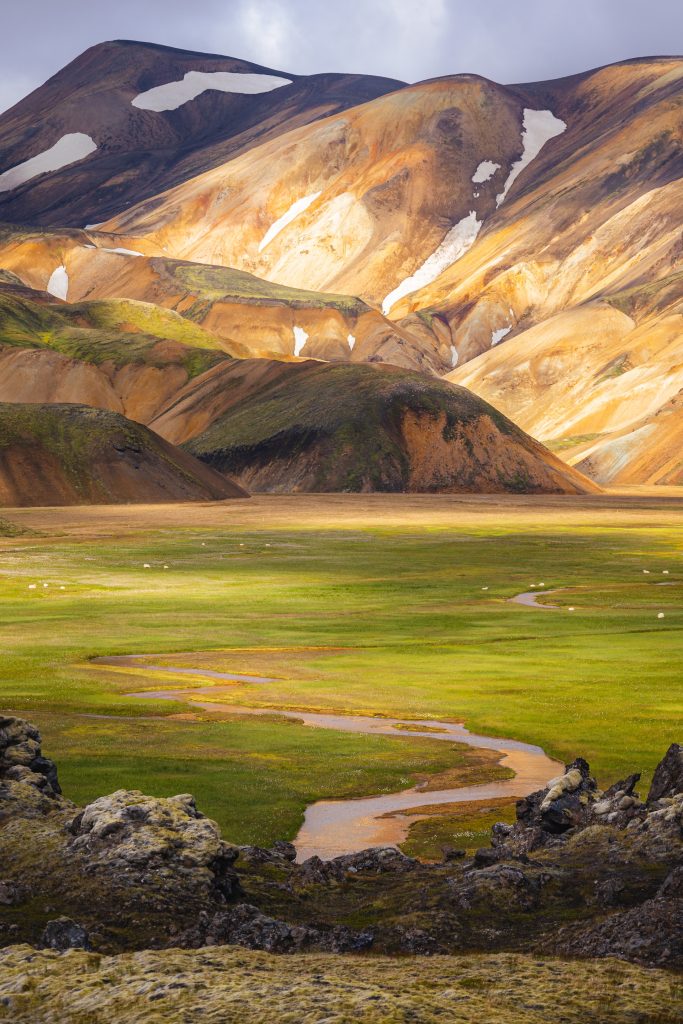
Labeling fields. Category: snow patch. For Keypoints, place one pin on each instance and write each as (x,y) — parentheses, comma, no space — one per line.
(70,148)
(174,94)
(300,339)
(352,341)
(499,335)
(94,227)
(539,126)
(124,252)
(292,213)
(454,356)
(58,285)
(456,243)
(485,170)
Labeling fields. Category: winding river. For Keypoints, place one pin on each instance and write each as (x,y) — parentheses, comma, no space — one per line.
(335,827)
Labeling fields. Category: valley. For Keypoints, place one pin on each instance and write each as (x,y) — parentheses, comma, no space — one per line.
(341,561)
(410,619)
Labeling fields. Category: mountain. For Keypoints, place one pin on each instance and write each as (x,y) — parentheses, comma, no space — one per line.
(73,455)
(122,107)
(269,319)
(598,382)
(284,425)
(522,240)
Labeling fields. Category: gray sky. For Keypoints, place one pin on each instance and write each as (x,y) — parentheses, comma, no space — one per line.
(506,40)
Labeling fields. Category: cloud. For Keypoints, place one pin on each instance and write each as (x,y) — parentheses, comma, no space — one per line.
(265,32)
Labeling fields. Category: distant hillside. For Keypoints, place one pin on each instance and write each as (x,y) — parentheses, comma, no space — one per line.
(72,455)
(315,427)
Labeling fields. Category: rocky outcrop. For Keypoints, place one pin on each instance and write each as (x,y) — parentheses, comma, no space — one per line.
(582,872)
(28,780)
(63,933)
(130,832)
(246,925)
(667,780)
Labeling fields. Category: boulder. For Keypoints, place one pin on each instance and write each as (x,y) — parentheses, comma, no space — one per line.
(63,933)
(375,861)
(246,925)
(20,748)
(129,834)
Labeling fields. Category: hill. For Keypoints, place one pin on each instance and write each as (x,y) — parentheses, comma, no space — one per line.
(73,455)
(315,427)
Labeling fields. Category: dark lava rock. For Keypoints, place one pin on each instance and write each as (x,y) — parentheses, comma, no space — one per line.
(63,933)
(11,894)
(20,748)
(451,853)
(245,925)
(377,860)
(651,934)
(668,777)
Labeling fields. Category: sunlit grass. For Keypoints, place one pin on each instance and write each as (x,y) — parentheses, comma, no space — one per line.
(384,620)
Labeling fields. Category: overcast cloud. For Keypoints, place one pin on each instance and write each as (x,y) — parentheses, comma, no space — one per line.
(506,40)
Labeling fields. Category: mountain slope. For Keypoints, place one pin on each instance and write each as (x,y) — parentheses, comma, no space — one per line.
(376,189)
(72,455)
(141,151)
(314,427)
(129,357)
(267,318)
(598,382)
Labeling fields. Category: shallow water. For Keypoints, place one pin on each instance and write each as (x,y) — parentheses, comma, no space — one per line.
(128,661)
(335,827)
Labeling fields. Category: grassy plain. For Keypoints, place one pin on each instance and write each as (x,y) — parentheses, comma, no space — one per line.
(353,603)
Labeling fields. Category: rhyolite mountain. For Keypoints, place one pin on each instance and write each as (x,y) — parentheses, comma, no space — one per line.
(524,241)
(274,425)
(140,151)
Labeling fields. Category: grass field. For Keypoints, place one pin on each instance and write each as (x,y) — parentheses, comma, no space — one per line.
(356,603)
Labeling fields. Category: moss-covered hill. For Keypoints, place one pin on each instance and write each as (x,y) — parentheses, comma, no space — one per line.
(226,984)
(321,427)
(115,331)
(72,454)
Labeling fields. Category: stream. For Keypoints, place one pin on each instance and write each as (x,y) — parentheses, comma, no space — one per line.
(332,828)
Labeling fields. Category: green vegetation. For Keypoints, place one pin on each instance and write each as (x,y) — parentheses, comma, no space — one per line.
(117,331)
(561,444)
(391,619)
(225,283)
(8,529)
(651,297)
(354,412)
(227,983)
(464,827)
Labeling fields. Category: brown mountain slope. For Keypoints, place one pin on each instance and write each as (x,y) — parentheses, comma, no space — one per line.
(399,212)
(125,356)
(591,375)
(282,425)
(597,211)
(72,455)
(314,427)
(647,452)
(142,151)
(384,181)
(268,319)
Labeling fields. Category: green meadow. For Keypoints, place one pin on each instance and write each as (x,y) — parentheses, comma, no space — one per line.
(341,615)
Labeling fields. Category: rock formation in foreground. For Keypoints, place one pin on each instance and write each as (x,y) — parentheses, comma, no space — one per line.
(582,873)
